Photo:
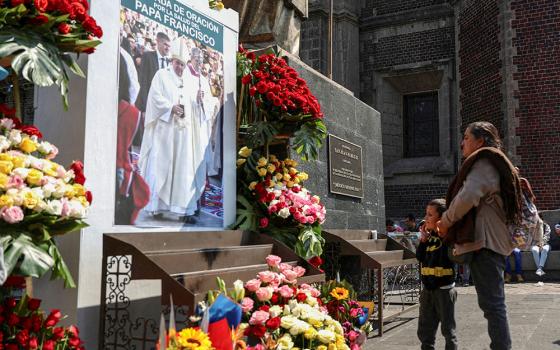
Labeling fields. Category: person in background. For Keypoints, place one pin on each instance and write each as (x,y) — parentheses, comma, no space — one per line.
(540,249)
(410,223)
(554,241)
(518,272)
(437,299)
(392,227)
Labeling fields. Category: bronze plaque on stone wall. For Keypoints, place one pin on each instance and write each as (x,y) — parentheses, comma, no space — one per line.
(345,168)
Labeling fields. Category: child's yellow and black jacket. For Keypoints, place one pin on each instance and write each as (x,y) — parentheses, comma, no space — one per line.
(437,270)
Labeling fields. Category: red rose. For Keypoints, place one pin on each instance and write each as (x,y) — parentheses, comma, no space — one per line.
(53,318)
(73,331)
(89,24)
(58,333)
(31,130)
(15,3)
(12,347)
(250,55)
(77,11)
(252,91)
(48,345)
(78,168)
(22,337)
(246,79)
(316,261)
(241,49)
(10,303)
(263,222)
(33,343)
(264,308)
(26,323)
(33,304)
(85,4)
(89,197)
(7,111)
(257,331)
(64,28)
(74,342)
(17,282)
(275,298)
(273,323)
(37,321)
(12,319)
(98,31)
(41,5)
(301,297)
(39,20)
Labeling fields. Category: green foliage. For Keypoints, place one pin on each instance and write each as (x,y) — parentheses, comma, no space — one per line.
(308,140)
(260,133)
(310,242)
(246,214)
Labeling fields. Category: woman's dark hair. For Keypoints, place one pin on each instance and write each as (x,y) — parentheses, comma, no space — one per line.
(439,204)
(488,132)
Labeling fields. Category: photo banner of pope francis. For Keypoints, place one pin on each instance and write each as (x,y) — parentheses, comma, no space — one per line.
(169,167)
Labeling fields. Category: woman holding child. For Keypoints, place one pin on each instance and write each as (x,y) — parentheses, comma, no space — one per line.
(483,199)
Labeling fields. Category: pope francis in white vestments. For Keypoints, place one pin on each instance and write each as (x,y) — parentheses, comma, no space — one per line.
(173,147)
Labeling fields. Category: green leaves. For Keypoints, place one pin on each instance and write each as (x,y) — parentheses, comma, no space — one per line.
(310,242)
(35,261)
(308,140)
(261,133)
(246,214)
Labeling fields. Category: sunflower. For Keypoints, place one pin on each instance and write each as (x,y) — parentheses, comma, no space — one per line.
(340,293)
(193,339)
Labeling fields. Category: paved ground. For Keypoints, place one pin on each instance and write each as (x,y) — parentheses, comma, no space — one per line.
(534,318)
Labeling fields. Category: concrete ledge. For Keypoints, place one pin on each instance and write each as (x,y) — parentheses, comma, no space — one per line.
(552,266)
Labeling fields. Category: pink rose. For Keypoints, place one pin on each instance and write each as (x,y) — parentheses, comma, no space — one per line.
(290,276)
(286,291)
(12,215)
(247,304)
(264,293)
(299,270)
(273,260)
(353,335)
(53,153)
(314,292)
(283,266)
(266,276)
(310,219)
(305,286)
(259,317)
(355,312)
(15,182)
(252,285)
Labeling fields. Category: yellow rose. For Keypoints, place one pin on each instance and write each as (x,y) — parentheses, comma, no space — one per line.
(287,177)
(279,176)
(6,166)
(241,161)
(293,171)
(262,171)
(28,146)
(84,201)
(310,333)
(6,201)
(252,185)
(303,176)
(271,168)
(3,180)
(5,156)
(297,180)
(219,6)
(332,346)
(262,161)
(30,200)
(245,152)
(34,177)
(290,183)
(272,158)
(51,170)
(18,162)
(321,347)
(79,189)
(69,191)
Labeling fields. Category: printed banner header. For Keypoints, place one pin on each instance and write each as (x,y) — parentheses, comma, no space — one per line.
(181,18)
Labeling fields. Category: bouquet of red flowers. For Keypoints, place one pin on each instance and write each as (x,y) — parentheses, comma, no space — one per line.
(274,99)
(40,36)
(24,326)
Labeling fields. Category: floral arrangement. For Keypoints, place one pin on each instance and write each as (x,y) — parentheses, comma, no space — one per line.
(39,199)
(281,205)
(186,339)
(24,326)
(273,99)
(280,314)
(42,34)
(216,4)
(339,298)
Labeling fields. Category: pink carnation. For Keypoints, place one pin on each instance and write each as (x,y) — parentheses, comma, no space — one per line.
(259,317)
(252,285)
(12,215)
(273,260)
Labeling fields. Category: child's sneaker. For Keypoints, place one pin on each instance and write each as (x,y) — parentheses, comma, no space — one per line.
(539,272)
(507,278)
(520,278)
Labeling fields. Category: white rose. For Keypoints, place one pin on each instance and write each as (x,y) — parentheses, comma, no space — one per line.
(275,311)
(285,343)
(45,147)
(299,327)
(22,172)
(15,136)
(4,143)
(59,190)
(16,195)
(54,207)
(48,189)
(284,213)
(38,192)
(40,207)
(325,336)
(287,322)
(7,123)
(77,210)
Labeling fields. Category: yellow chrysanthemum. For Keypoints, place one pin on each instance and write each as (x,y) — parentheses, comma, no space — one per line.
(340,293)
(193,339)
(28,146)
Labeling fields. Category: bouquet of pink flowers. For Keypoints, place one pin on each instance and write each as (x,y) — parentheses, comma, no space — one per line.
(280,314)
(282,207)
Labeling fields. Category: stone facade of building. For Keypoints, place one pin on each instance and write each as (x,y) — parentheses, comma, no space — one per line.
(430,67)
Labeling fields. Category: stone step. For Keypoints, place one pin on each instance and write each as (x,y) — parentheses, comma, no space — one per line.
(369,245)
(181,261)
(384,256)
(350,235)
